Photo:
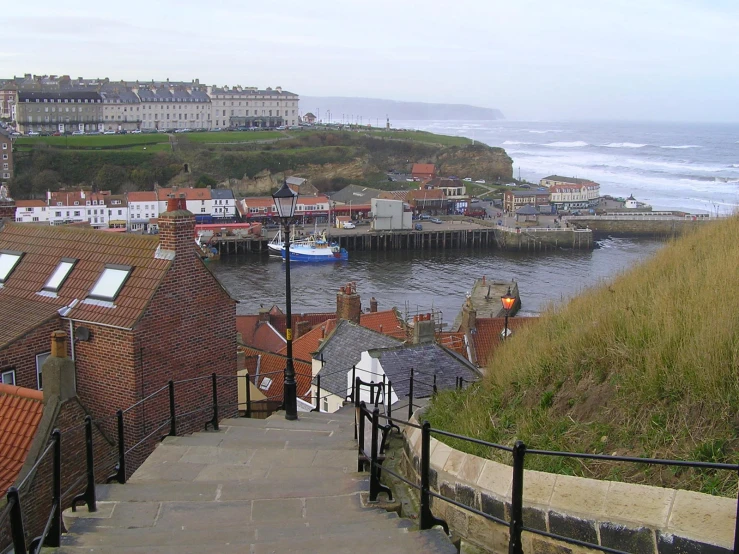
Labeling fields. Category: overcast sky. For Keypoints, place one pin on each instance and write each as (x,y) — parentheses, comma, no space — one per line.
(533,59)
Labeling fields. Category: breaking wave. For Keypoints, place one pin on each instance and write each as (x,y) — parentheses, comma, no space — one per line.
(624,145)
(576,144)
(682,146)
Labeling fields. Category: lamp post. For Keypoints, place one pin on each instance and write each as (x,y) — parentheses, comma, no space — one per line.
(507,300)
(285,201)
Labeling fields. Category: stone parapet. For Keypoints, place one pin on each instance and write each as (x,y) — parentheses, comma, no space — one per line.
(627,517)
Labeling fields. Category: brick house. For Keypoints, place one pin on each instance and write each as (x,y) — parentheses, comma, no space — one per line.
(513,200)
(144,310)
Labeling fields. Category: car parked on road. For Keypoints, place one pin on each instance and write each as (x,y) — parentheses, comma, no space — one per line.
(436,220)
(349,225)
(77,133)
(480,181)
(418,227)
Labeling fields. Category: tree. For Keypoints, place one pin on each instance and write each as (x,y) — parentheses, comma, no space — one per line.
(48,179)
(110,177)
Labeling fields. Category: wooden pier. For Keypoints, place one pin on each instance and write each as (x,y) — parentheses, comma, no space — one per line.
(495,238)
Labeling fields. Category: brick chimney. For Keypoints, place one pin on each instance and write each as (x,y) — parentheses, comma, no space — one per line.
(301,328)
(264,315)
(348,303)
(177,227)
(58,370)
(373,305)
(423,329)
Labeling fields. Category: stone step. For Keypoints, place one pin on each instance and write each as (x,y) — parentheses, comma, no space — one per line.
(386,542)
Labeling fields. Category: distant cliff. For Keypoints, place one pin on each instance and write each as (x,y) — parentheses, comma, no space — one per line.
(375,111)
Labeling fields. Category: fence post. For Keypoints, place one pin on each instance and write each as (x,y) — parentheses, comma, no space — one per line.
(318,395)
(120,474)
(88,497)
(426,518)
(248,397)
(214,421)
(410,397)
(354,382)
(514,545)
(389,398)
(374,479)
(360,441)
(172,417)
(17,530)
(54,538)
(355,399)
(435,389)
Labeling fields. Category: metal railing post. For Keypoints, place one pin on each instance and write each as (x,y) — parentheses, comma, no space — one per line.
(384,388)
(172,415)
(17,529)
(426,517)
(354,382)
(514,545)
(88,497)
(377,394)
(435,389)
(214,421)
(355,399)
(410,397)
(374,479)
(360,441)
(120,474)
(54,538)
(318,395)
(461,383)
(248,397)
(389,398)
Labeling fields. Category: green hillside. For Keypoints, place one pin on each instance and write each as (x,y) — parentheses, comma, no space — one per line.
(647,365)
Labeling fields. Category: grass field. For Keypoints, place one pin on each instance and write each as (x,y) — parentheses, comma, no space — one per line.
(234,136)
(645,366)
(422,136)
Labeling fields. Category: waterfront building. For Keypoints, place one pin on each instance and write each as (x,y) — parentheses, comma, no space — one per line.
(198,201)
(172,107)
(515,199)
(62,111)
(6,158)
(143,210)
(309,209)
(567,193)
(121,109)
(31,211)
(224,205)
(253,108)
(117,205)
(431,201)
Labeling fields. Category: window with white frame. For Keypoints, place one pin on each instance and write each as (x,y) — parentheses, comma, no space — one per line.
(60,274)
(40,359)
(7,377)
(8,261)
(110,282)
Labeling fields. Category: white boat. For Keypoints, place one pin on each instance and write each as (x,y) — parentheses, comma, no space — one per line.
(315,250)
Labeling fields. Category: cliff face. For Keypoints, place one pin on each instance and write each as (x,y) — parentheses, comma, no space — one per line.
(478,162)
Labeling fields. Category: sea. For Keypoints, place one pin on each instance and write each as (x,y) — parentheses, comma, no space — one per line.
(693,167)
(684,166)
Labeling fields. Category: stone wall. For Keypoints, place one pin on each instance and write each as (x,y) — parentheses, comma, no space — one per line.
(542,239)
(603,226)
(631,518)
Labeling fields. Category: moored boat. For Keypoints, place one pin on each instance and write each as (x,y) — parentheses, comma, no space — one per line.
(315,250)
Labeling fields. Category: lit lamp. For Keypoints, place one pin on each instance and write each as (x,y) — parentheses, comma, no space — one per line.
(507,300)
(285,201)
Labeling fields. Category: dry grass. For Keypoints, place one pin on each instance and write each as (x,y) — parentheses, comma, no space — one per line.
(644,366)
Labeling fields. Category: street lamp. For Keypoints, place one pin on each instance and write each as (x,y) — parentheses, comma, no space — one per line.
(285,201)
(507,300)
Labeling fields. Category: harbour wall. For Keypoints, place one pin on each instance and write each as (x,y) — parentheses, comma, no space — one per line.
(632,226)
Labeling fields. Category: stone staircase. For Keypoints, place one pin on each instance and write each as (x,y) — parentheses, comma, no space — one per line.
(255,486)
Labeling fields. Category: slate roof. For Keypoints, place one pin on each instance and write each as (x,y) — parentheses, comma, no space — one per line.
(78,95)
(34,313)
(272,367)
(221,194)
(343,349)
(573,180)
(45,246)
(426,360)
(355,194)
(20,414)
(528,209)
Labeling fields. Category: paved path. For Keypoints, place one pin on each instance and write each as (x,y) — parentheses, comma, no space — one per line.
(256,486)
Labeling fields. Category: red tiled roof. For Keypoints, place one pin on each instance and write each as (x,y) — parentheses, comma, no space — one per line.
(387,322)
(425,194)
(453,341)
(278,319)
(30,203)
(190,193)
(423,168)
(34,314)
(20,414)
(272,366)
(142,196)
(308,343)
(395,195)
(259,335)
(44,246)
(488,334)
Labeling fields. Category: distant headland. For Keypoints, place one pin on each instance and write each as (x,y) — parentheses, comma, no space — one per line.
(376,110)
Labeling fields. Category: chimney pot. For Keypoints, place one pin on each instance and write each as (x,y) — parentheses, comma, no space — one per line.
(59,344)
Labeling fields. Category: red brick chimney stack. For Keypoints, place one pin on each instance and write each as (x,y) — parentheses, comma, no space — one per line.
(373,305)
(348,303)
(177,226)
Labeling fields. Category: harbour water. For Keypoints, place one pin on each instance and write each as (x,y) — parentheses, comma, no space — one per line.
(415,282)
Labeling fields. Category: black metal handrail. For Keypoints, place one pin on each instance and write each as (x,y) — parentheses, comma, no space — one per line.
(519,452)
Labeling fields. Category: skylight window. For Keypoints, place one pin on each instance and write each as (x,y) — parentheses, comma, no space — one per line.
(8,260)
(110,282)
(266,383)
(60,275)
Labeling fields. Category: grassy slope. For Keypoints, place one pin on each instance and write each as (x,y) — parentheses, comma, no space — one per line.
(644,366)
(94,140)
